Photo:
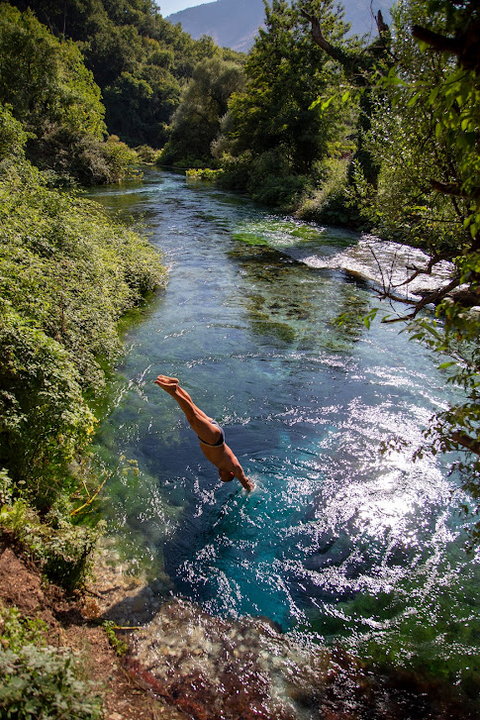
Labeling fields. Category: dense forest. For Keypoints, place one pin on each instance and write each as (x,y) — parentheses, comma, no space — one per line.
(382,136)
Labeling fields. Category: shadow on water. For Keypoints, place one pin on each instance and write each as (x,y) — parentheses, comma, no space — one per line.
(338,542)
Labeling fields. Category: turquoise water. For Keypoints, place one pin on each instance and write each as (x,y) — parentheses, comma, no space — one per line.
(337,539)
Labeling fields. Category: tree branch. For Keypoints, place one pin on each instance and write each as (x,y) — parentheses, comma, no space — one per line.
(320,39)
(382,26)
(438,42)
(417,272)
(453,189)
(431,298)
(466,441)
(465,45)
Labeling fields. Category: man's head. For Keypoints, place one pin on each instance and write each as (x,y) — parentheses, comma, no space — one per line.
(226,475)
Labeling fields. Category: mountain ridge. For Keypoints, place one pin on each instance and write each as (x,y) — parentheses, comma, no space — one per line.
(234,25)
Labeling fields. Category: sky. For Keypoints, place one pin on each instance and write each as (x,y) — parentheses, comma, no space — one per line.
(167,7)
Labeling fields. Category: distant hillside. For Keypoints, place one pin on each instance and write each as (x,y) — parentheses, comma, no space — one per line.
(230,23)
(234,24)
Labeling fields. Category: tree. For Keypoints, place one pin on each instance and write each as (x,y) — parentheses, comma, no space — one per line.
(57,104)
(274,122)
(56,86)
(426,139)
(140,61)
(196,122)
(361,66)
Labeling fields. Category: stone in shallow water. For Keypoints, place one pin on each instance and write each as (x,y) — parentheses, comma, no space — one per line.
(215,668)
(218,669)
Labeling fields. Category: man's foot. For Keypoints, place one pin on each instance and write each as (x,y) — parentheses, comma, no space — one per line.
(169,384)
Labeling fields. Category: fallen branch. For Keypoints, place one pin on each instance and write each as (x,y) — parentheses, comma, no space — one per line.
(431,298)
(90,499)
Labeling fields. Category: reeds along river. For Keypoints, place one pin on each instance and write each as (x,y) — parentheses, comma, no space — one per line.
(339,542)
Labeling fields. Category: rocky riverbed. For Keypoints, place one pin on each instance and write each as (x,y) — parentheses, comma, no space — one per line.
(217,669)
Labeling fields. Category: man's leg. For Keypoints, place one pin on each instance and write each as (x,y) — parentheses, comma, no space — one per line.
(200,423)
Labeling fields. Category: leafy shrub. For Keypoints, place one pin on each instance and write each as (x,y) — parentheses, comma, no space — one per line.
(331,202)
(83,157)
(236,171)
(12,134)
(38,682)
(147,154)
(5,488)
(44,421)
(119,645)
(63,550)
(272,180)
(67,275)
(268,177)
(205,174)
(70,270)
(122,160)
(42,683)
(17,630)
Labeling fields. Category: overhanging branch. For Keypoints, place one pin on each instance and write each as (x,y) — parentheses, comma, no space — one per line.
(438,42)
(466,441)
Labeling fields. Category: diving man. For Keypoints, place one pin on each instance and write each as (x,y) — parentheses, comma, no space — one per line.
(209,432)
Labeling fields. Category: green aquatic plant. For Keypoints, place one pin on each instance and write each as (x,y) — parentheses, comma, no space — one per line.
(250,238)
(277,233)
(120,646)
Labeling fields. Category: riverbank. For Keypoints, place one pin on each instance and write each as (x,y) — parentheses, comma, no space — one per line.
(68,273)
(185,663)
(72,625)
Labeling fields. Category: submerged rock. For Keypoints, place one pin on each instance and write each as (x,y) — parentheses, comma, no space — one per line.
(217,669)
(388,265)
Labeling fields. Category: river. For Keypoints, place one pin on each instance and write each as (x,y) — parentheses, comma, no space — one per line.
(339,541)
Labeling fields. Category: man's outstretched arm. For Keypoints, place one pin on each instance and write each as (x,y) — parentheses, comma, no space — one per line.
(245,481)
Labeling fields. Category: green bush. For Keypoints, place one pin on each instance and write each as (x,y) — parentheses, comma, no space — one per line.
(62,550)
(12,134)
(83,158)
(236,171)
(68,269)
(268,178)
(38,682)
(17,630)
(272,180)
(147,154)
(42,683)
(331,201)
(206,174)
(122,160)
(5,488)
(67,275)
(44,422)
